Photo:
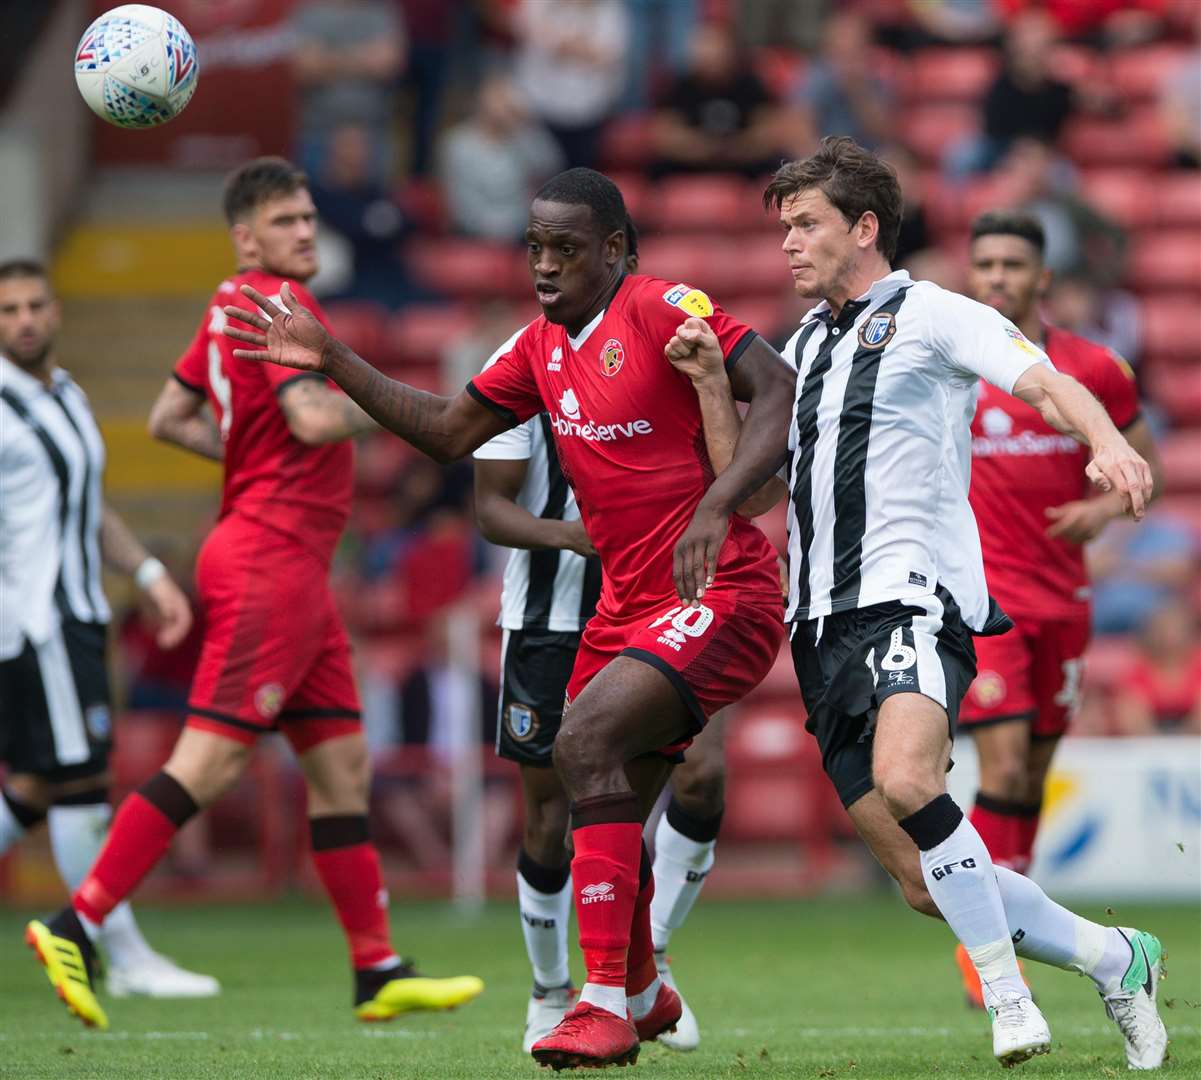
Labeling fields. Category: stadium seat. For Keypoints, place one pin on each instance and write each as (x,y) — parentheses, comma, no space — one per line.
(1180,453)
(764,314)
(421,333)
(781,69)
(626,143)
(1138,74)
(635,190)
(1126,195)
(1167,259)
(1172,328)
(1177,199)
(701,204)
(1177,391)
(1076,64)
(472,269)
(959,75)
(422,201)
(681,258)
(929,129)
(359,323)
(1137,141)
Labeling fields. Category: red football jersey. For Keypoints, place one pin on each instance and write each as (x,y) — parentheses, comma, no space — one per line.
(1021,466)
(629,436)
(270,476)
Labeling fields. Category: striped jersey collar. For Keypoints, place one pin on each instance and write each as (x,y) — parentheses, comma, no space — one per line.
(12,374)
(878,289)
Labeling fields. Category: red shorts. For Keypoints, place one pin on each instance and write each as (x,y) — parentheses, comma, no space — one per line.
(275,654)
(713,654)
(1032,672)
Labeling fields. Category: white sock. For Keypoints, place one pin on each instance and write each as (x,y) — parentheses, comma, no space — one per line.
(544,918)
(612,998)
(11,830)
(76,836)
(1045,931)
(640,1004)
(962,881)
(681,865)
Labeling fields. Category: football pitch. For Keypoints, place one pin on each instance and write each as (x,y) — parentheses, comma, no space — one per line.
(853,989)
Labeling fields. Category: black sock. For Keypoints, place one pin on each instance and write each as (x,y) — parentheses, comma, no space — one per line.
(66,924)
(369,981)
(26,814)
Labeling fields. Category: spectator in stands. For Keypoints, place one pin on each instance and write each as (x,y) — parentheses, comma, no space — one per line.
(657,51)
(571,69)
(348,56)
(1180,106)
(352,201)
(491,164)
(431,26)
(782,24)
(843,92)
(1115,23)
(1136,570)
(1161,690)
(1025,101)
(718,116)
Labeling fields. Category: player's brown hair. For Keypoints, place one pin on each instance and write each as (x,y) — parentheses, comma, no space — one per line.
(854,180)
(252,184)
(1011,223)
(22,268)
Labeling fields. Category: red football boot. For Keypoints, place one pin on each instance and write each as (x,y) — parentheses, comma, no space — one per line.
(973,992)
(588,1037)
(663,1017)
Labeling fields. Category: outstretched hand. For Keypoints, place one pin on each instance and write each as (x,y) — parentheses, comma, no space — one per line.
(292,338)
(1117,467)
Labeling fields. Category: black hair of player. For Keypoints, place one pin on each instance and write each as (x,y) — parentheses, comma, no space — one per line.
(22,268)
(854,180)
(252,184)
(587,187)
(631,238)
(1011,223)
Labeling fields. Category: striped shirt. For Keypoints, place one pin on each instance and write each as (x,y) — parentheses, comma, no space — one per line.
(547,589)
(881,446)
(51,466)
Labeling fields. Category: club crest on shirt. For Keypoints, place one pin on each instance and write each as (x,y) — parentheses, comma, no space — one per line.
(98,722)
(688,299)
(1020,341)
(522,721)
(612,356)
(269,699)
(989,689)
(878,330)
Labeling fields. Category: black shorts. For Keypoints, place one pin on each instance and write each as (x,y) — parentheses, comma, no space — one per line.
(55,705)
(534,668)
(848,663)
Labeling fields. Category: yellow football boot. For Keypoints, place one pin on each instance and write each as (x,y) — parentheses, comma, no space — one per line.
(407,991)
(67,968)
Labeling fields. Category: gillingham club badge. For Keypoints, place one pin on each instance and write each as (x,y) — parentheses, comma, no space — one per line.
(878,330)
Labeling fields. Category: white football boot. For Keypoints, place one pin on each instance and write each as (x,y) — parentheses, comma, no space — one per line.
(1019,1031)
(544,1012)
(687,1035)
(152,975)
(1132,1006)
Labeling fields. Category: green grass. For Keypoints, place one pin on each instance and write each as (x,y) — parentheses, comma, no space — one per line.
(854,989)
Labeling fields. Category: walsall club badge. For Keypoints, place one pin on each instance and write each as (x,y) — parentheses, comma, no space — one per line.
(612,356)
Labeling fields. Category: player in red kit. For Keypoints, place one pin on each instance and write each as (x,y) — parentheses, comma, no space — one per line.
(275,654)
(689,617)
(1033,505)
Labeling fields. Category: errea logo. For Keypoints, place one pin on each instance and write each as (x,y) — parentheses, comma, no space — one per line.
(599,893)
(555,363)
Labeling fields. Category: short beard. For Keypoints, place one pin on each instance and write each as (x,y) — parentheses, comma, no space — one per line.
(29,363)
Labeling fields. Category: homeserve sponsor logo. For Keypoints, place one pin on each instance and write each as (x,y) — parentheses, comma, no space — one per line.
(567,423)
(1027,444)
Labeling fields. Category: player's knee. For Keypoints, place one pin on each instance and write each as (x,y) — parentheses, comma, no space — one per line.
(1005,776)
(701,791)
(544,835)
(580,753)
(207,772)
(904,790)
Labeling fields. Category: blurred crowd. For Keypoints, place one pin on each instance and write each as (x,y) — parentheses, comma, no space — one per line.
(427,125)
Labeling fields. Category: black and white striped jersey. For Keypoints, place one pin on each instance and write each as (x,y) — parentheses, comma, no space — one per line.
(547,589)
(881,446)
(51,465)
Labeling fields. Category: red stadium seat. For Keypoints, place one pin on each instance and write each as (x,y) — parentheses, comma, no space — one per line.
(763,313)
(1139,73)
(780,69)
(1136,141)
(928,130)
(1169,259)
(682,258)
(1172,328)
(359,323)
(961,75)
(1177,390)
(635,190)
(1126,195)
(1180,453)
(627,143)
(422,201)
(472,269)
(1177,199)
(1076,64)
(420,334)
(701,204)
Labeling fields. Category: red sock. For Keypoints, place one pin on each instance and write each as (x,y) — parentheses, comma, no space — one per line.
(142,830)
(605,877)
(997,822)
(1027,831)
(348,866)
(640,961)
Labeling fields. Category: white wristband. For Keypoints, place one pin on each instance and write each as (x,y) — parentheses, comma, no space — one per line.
(148,573)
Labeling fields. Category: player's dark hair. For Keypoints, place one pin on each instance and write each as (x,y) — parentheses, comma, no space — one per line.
(22,268)
(252,184)
(587,187)
(1011,223)
(631,238)
(854,180)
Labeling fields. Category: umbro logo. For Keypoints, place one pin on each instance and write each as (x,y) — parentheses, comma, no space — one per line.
(598,893)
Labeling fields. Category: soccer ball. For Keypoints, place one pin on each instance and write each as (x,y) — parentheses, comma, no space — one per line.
(136,66)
